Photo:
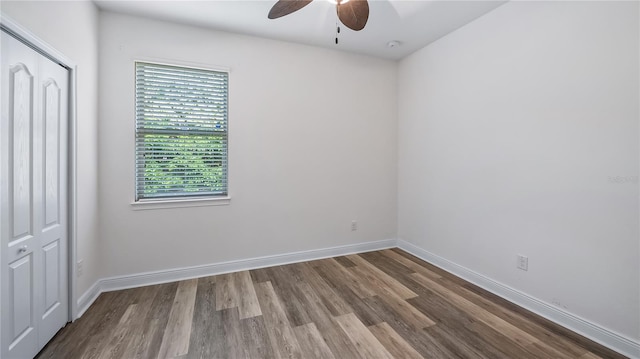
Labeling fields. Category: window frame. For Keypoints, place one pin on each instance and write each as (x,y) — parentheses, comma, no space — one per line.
(179,201)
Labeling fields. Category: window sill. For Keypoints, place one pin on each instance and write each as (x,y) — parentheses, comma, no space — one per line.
(180,203)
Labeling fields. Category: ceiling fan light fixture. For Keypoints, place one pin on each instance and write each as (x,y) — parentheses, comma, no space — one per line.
(353,14)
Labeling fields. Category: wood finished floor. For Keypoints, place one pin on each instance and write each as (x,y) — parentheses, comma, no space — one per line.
(383,304)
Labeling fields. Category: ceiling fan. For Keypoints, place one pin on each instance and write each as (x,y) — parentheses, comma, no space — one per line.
(352,13)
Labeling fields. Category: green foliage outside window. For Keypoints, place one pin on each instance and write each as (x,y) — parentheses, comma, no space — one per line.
(187,163)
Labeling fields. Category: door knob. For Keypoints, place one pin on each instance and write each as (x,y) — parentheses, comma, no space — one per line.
(22,249)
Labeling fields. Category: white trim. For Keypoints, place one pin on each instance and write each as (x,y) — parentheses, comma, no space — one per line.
(598,334)
(72,178)
(171,275)
(176,274)
(182,63)
(86,299)
(40,45)
(182,202)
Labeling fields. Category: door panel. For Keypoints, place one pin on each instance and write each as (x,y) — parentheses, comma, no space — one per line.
(33,210)
(23,323)
(21,122)
(51,276)
(52,151)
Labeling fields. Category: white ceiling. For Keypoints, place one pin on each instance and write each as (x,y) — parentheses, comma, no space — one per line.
(414,23)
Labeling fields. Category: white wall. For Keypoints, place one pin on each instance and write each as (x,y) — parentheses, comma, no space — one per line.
(513,131)
(71,27)
(312,146)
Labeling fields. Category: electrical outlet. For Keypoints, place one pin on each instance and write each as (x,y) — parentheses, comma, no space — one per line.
(354,225)
(523,263)
(79,267)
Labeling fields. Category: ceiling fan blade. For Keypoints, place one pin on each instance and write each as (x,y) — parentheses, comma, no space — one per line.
(354,14)
(286,7)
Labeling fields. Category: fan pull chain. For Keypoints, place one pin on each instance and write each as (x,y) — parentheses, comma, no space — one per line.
(337,16)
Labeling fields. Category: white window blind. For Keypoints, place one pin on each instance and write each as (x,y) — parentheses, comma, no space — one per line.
(181,132)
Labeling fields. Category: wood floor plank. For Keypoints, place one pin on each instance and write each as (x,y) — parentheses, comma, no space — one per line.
(334,270)
(259,275)
(440,309)
(418,268)
(563,345)
(456,325)
(207,332)
(344,261)
(387,265)
(394,343)
(497,340)
(129,334)
(119,335)
(334,302)
(461,325)
(333,335)
(388,292)
(255,338)
(285,285)
(131,325)
(408,312)
(499,324)
(379,279)
(427,346)
(248,301)
(359,307)
(312,343)
(71,341)
(432,268)
(366,343)
(233,341)
(325,323)
(281,336)
(226,292)
(175,341)
(458,343)
(106,326)
(376,304)
(146,341)
(542,350)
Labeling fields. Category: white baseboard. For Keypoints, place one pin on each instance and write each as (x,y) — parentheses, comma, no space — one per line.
(87,298)
(606,337)
(176,274)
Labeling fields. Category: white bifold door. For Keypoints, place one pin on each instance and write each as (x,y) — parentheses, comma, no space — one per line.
(33,154)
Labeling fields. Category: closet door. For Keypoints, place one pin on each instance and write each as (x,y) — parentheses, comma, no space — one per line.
(33,158)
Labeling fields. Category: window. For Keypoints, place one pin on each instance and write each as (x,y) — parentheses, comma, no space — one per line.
(181,132)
